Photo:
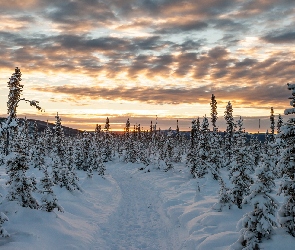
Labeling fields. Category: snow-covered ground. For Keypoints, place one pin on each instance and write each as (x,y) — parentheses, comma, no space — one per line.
(131,209)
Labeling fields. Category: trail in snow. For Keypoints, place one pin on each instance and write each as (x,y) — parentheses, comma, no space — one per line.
(130,209)
(139,221)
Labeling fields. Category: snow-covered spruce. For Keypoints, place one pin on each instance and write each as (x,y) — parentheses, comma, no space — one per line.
(203,149)
(49,199)
(272,124)
(213,113)
(20,187)
(240,167)
(192,158)
(168,150)
(3,218)
(228,138)
(260,222)
(224,198)
(287,169)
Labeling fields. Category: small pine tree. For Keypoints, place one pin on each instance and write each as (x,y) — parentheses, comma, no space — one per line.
(287,169)
(58,153)
(191,158)
(168,148)
(20,187)
(49,199)
(240,168)
(127,129)
(71,179)
(228,138)
(224,198)
(203,150)
(214,113)
(106,146)
(255,150)
(97,130)
(95,157)
(259,223)
(279,124)
(272,125)
(107,125)
(3,218)
(37,154)
(287,186)
(177,152)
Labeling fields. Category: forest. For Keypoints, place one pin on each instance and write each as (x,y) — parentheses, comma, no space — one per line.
(248,172)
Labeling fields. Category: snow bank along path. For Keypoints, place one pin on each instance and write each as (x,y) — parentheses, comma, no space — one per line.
(130,209)
(139,221)
(121,211)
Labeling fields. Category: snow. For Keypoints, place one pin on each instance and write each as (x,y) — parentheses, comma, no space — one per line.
(130,209)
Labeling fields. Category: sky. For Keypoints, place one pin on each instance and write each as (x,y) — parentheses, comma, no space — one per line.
(142,59)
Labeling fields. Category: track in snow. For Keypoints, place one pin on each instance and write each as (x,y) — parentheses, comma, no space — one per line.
(139,221)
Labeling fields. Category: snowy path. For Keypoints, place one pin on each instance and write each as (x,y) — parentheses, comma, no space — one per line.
(131,210)
(139,221)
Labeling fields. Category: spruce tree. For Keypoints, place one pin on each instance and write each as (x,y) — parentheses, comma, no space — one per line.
(272,125)
(107,125)
(143,151)
(37,152)
(97,129)
(214,113)
(191,158)
(71,179)
(96,160)
(35,132)
(107,147)
(177,145)
(14,97)
(48,139)
(63,171)
(280,123)
(20,187)
(127,129)
(58,153)
(85,148)
(203,149)
(49,199)
(168,147)
(287,169)
(240,167)
(130,147)
(259,223)
(3,218)
(215,157)
(78,152)
(224,198)
(255,150)
(228,137)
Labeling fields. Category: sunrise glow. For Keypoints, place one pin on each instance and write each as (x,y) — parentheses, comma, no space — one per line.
(89,60)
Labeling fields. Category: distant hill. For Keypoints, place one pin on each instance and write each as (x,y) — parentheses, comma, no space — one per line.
(42,125)
(73,132)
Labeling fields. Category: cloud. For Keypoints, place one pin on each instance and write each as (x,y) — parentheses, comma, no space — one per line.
(80,15)
(178,27)
(280,37)
(179,48)
(261,5)
(228,24)
(245,96)
(151,57)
